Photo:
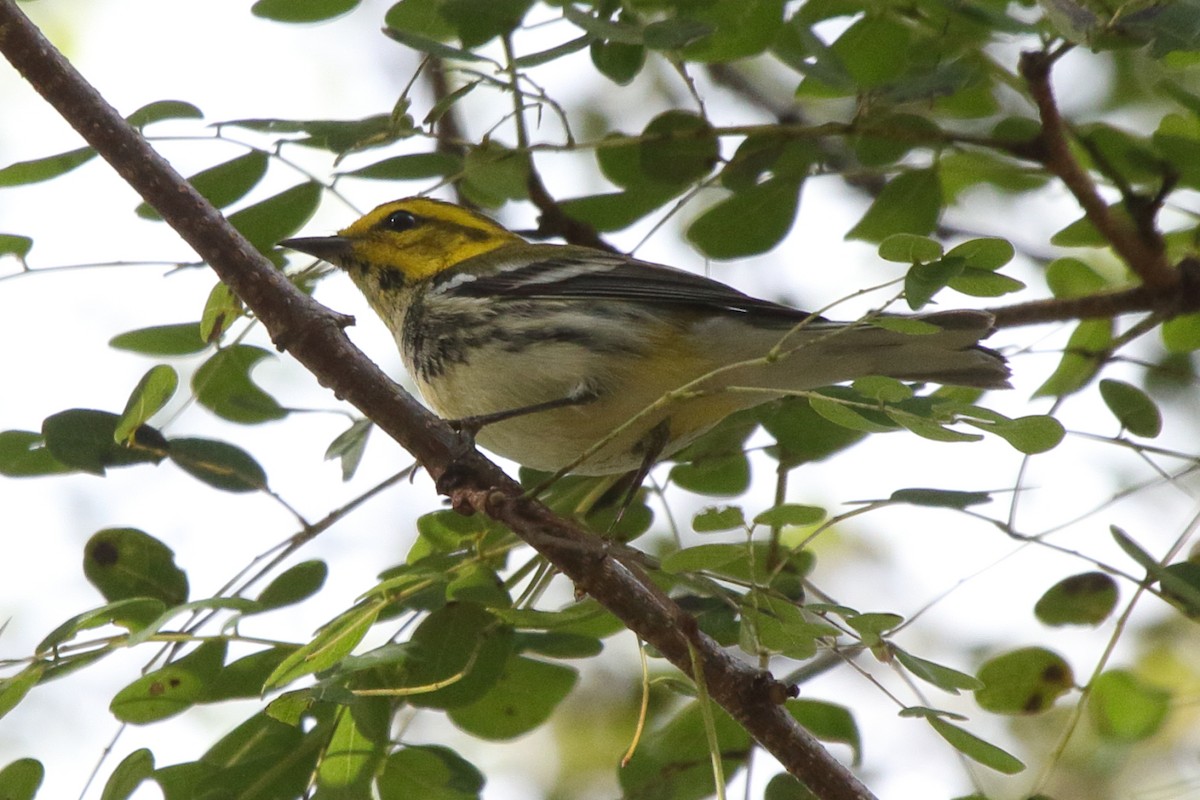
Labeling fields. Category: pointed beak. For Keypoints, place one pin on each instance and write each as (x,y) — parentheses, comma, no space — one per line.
(327,248)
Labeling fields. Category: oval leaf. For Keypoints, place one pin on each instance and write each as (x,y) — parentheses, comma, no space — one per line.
(1132,407)
(1025,681)
(525,695)
(1124,708)
(153,391)
(161,340)
(125,562)
(302,10)
(219,464)
(279,216)
(223,385)
(1084,599)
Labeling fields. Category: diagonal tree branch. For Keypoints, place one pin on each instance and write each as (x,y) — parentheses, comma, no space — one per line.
(313,335)
(1137,241)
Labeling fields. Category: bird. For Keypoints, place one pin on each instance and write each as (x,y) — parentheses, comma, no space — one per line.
(566,358)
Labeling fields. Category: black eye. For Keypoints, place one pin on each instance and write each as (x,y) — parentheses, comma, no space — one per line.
(399,221)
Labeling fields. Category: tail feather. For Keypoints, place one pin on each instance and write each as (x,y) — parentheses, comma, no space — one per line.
(826,353)
(952,355)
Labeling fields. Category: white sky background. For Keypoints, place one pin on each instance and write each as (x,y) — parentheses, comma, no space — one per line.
(53,356)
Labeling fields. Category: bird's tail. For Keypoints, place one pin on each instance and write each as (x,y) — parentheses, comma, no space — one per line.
(825,353)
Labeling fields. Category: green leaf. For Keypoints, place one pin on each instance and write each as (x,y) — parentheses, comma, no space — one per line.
(1124,708)
(601,27)
(940,498)
(802,434)
(748,222)
(875,50)
(85,439)
(293,585)
(222,308)
(702,557)
(1025,681)
(1174,577)
(134,769)
(14,688)
(219,464)
(673,762)
(333,642)
(923,281)
(523,697)
(161,340)
(302,10)
(715,475)
(145,632)
(172,689)
(713,519)
(910,203)
(982,283)
(22,778)
(44,169)
(132,614)
(126,562)
(462,645)
(1070,277)
(1084,599)
(1132,407)
(430,772)
(1182,334)
(412,167)
(494,174)
(152,392)
(988,254)
(349,446)
(1180,583)
(784,786)
(871,626)
(618,61)
(975,748)
(558,645)
(424,44)
(846,416)
(1086,351)
(614,211)
(338,136)
(779,626)
(738,29)
(678,148)
(908,248)
(943,677)
(829,722)
(931,429)
(23,454)
(355,750)
(1036,433)
(674,33)
(478,23)
(225,183)
(161,110)
(552,53)
(12,244)
(478,583)
(277,217)
(223,385)
(422,17)
(790,514)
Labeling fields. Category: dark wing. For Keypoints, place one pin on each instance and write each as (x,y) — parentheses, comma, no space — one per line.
(569,273)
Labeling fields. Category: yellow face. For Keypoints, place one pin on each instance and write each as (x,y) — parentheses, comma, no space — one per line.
(418,238)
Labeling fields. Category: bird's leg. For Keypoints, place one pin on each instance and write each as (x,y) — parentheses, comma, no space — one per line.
(652,446)
(469,426)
